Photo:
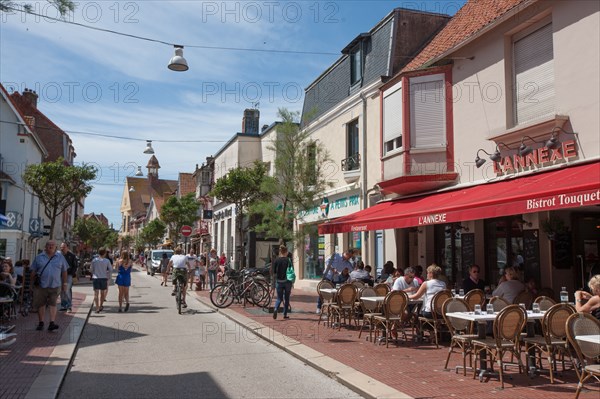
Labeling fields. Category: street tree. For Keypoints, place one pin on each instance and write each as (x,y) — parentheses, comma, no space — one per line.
(242,187)
(126,241)
(154,232)
(62,6)
(92,233)
(178,212)
(300,177)
(112,239)
(59,185)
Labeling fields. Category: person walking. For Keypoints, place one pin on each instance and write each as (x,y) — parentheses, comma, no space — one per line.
(124,279)
(213,265)
(164,268)
(66,296)
(50,269)
(101,271)
(282,284)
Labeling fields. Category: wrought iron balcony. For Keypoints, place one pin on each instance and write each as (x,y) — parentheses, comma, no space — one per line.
(351,168)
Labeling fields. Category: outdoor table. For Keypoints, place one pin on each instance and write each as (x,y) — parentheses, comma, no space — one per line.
(594,339)
(482,320)
(329,290)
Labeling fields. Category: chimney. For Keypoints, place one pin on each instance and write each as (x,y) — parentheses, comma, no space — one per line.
(30,97)
(250,122)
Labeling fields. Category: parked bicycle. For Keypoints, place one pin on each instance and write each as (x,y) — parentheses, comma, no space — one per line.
(243,287)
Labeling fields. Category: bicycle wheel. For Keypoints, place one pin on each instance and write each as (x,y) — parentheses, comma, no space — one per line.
(222,295)
(258,294)
(178,296)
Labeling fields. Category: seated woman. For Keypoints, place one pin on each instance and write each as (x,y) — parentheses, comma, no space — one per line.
(511,287)
(7,274)
(589,303)
(429,288)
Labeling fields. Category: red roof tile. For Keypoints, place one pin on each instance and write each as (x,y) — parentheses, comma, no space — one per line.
(186,184)
(470,19)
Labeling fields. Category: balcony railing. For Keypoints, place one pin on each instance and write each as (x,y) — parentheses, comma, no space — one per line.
(351,163)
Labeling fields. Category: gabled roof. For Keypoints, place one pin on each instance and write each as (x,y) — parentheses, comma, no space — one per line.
(145,189)
(23,120)
(474,16)
(53,137)
(186,184)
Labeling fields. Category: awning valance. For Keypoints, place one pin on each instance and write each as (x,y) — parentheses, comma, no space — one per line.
(569,187)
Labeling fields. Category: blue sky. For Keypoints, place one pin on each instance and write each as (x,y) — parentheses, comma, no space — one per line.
(101,83)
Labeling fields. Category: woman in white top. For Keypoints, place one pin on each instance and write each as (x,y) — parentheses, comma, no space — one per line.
(429,288)
(511,287)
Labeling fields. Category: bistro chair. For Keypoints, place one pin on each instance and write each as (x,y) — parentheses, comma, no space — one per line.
(8,305)
(588,353)
(507,329)
(370,309)
(547,291)
(436,322)
(382,289)
(498,303)
(553,339)
(394,313)
(524,297)
(344,306)
(460,330)
(475,297)
(545,302)
(326,300)
(358,284)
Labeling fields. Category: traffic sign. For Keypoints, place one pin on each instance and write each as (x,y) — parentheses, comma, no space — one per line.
(186,231)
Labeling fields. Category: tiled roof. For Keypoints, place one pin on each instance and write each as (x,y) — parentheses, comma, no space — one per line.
(186,184)
(470,19)
(153,162)
(146,188)
(50,134)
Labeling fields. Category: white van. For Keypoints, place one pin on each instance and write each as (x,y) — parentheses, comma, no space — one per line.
(153,261)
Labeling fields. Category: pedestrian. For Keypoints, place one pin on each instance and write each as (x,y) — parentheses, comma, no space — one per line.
(101,271)
(282,285)
(335,266)
(124,279)
(193,262)
(49,274)
(164,268)
(222,259)
(213,264)
(201,273)
(66,296)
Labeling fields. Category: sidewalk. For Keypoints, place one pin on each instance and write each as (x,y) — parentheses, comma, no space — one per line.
(408,370)
(34,366)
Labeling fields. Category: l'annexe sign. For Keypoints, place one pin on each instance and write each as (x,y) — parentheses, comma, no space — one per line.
(539,157)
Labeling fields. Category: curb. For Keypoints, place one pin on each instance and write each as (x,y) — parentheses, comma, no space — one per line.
(358,382)
(48,382)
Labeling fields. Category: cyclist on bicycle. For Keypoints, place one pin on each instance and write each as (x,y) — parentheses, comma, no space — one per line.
(179,264)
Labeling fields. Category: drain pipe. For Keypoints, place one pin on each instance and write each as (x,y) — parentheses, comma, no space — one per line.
(363,170)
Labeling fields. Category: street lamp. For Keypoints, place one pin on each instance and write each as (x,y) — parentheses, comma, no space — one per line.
(149,149)
(178,63)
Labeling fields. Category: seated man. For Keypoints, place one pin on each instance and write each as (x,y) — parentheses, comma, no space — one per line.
(406,283)
(360,273)
(473,281)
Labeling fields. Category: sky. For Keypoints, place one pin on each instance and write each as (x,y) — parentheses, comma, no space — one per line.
(94,84)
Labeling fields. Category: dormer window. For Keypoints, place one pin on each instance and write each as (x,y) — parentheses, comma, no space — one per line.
(355,64)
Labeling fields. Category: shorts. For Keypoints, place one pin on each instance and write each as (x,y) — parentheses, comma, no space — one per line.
(45,296)
(100,284)
(180,273)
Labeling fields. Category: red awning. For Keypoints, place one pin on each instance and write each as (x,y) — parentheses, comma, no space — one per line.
(570,187)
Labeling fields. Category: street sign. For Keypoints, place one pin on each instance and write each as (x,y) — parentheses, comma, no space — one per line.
(186,231)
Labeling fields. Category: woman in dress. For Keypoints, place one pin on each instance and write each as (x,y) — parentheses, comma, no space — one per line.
(589,303)
(124,280)
(164,267)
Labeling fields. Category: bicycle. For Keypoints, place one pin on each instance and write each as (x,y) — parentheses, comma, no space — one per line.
(243,287)
(179,280)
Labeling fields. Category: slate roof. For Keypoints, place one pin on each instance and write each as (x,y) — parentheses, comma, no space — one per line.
(470,19)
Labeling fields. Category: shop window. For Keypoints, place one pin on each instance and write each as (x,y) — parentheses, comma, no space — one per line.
(314,254)
(448,252)
(533,74)
(354,242)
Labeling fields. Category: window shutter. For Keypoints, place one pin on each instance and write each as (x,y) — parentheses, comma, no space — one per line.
(427,114)
(392,116)
(534,75)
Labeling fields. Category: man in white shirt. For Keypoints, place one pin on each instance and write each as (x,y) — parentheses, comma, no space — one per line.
(179,264)
(406,283)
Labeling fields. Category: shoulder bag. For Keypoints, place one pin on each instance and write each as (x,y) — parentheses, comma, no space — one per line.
(290,275)
(38,277)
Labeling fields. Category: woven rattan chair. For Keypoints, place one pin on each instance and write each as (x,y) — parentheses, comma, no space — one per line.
(507,329)
(382,289)
(498,303)
(545,302)
(344,306)
(436,322)
(587,352)
(326,300)
(370,309)
(358,284)
(553,340)
(394,314)
(547,291)
(524,297)
(475,297)
(461,338)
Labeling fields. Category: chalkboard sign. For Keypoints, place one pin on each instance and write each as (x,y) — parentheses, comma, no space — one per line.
(531,254)
(562,251)
(467,242)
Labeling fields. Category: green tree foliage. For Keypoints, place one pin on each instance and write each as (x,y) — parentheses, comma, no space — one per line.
(154,232)
(94,234)
(242,187)
(63,6)
(112,239)
(58,185)
(299,179)
(126,241)
(178,212)
(139,244)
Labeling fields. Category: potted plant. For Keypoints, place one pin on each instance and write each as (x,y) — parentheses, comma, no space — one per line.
(553,226)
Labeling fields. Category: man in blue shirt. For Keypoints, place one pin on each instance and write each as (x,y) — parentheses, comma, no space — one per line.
(335,265)
(51,267)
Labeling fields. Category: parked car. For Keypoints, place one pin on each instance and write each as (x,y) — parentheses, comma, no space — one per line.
(153,261)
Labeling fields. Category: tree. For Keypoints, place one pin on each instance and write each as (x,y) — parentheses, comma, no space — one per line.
(58,185)
(126,241)
(154,232)
(112,239)
(242,186)
(93,233)
(299,179)
(178,212)
(63,6)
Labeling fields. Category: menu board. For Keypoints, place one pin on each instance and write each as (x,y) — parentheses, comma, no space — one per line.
(467,242)
(531,254)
